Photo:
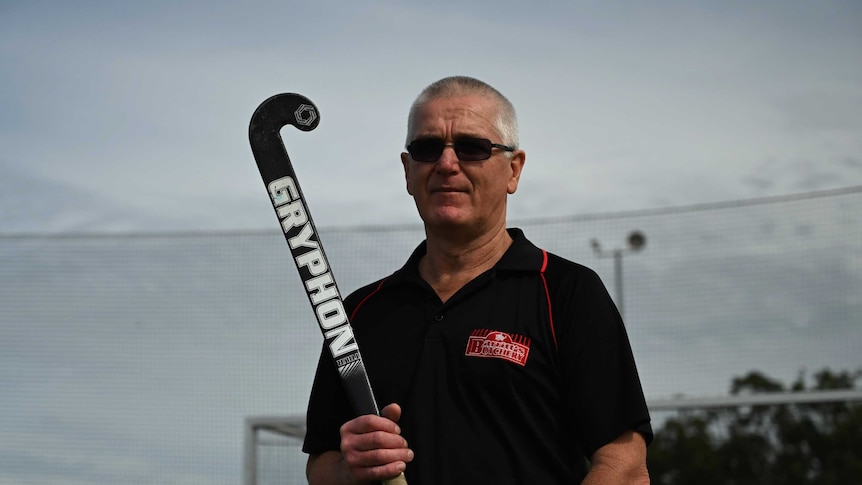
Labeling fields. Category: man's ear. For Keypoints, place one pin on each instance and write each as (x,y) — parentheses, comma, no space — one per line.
(516,163)
(405,162)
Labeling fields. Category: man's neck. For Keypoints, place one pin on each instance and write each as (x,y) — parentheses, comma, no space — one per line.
(448,264)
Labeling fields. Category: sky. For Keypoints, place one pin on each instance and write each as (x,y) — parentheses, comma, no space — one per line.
(133,116)
(135,360)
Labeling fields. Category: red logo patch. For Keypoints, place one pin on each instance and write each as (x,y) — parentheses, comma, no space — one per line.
(499,345)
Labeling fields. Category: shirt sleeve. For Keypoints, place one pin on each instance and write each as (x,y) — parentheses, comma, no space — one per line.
(328,409)
(601,386)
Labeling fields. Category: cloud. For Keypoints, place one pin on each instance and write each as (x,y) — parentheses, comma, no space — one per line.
(148,106)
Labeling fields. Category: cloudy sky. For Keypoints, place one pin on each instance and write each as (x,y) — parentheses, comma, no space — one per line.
(118,117)
(122,116)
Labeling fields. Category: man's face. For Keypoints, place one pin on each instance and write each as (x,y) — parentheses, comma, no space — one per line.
(457,195)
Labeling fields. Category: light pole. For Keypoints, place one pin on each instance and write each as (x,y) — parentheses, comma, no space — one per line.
(636,241)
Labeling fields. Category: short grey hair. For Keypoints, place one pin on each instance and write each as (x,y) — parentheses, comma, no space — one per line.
(506,122)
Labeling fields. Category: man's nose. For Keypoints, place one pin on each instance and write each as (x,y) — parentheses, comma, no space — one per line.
(448,160)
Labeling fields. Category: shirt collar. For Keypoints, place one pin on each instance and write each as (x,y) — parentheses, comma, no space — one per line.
(522,255)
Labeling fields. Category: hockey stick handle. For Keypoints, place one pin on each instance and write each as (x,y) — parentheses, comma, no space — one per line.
(399,480)
(301,235)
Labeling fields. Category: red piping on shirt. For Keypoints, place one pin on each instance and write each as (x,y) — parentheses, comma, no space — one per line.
(366,299)
(548,296)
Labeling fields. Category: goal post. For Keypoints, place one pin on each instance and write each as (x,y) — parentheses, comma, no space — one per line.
(272,450)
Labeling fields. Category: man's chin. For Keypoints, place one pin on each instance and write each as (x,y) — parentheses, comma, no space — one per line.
(446,217)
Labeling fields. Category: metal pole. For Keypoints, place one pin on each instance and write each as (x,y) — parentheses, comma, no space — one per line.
(250,454)
(636,242)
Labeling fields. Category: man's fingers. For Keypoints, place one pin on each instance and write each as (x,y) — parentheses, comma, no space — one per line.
(378,457)
(375,456)
(383,472)
(372,446)
(370,423)
(392,411)
(376,440)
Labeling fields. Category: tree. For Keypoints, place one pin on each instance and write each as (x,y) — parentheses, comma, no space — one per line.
(813,443)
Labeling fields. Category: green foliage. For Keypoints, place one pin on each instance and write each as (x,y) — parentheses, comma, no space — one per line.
(816,443)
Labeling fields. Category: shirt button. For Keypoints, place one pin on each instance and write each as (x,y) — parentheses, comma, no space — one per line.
(438,317)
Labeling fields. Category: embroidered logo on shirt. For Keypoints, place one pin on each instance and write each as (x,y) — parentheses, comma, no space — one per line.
(500,345)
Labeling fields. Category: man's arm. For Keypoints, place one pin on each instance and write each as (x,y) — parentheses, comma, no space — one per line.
(622,461)
(328,468)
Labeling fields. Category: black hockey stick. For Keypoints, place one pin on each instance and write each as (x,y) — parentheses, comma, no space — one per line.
(264,133)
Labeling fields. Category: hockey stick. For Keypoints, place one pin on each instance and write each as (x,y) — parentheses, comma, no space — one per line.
(264,133)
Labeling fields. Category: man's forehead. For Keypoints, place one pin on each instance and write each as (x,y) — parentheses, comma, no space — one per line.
(465,114)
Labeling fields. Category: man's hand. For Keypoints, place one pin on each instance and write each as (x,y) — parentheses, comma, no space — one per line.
(372,448)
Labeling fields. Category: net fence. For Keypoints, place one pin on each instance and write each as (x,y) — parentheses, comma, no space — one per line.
(136,358)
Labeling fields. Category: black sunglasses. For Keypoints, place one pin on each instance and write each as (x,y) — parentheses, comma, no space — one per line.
(468,149)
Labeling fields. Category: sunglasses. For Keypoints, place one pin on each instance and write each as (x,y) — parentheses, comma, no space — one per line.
(468,149)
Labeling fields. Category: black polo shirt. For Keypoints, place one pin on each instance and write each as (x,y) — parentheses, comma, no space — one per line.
(518,377)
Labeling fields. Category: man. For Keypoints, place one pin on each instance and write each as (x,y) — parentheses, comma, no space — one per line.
(500,363)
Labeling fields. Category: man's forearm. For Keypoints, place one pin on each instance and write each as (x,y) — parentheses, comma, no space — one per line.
(329,469)
(606,475)
(623,462)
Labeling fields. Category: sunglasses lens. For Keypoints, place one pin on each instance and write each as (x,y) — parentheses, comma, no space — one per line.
(467,149)
(426,149)
(473,149)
